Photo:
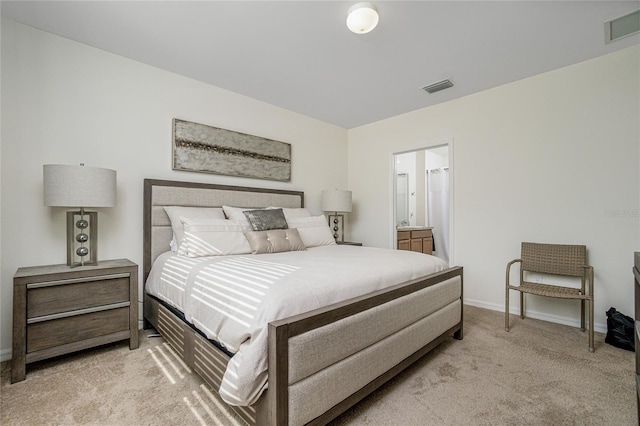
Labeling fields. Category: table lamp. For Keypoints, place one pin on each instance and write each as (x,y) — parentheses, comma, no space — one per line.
(336,201)
(80,187)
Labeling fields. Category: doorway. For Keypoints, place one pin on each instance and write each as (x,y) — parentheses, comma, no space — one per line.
(422,195)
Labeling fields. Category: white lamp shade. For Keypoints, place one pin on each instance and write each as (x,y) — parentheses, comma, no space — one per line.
(362,17)
(336,200)
(78,186)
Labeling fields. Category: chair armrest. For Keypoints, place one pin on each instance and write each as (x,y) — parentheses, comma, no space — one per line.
(509,269)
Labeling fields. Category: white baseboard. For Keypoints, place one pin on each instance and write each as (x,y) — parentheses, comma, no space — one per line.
(573,322)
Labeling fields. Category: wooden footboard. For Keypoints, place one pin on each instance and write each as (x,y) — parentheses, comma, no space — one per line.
(325,361)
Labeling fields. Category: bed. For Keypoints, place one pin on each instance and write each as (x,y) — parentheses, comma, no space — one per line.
(319,361)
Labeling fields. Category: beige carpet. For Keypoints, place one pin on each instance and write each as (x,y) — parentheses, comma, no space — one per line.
(537,374)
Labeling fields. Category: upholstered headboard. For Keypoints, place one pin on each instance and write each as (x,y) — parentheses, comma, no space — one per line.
(160,193)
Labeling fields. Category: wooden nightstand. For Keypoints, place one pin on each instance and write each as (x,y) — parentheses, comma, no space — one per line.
(58,310)
(348,243)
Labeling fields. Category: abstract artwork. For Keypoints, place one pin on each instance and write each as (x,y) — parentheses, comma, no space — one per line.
(207,149)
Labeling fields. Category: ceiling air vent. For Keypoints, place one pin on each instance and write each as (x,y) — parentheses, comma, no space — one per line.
(436,87)
(621,27)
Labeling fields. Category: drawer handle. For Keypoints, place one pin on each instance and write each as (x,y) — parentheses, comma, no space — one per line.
(76,280)
(77,312)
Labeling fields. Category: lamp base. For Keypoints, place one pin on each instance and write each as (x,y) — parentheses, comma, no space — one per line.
(337,225)
(82,238)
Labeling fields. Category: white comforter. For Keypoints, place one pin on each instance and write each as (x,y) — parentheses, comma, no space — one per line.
(233,298)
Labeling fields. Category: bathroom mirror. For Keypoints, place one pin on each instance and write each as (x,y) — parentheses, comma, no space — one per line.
(402,199)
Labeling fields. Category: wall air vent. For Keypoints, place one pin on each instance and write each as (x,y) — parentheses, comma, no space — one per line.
(621,27)
(436,87)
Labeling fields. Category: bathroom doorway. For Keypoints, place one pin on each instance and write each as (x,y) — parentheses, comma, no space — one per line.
(422,196)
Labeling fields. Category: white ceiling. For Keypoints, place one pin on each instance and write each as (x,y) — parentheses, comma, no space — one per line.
(299,55)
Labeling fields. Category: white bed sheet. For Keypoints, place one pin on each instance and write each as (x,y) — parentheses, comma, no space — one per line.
(233,298)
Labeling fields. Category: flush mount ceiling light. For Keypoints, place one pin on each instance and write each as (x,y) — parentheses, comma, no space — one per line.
(362,17)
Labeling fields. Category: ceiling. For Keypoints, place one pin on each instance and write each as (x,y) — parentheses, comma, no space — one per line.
(299,55)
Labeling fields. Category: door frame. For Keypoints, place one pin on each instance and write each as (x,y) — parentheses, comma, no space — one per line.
(393,237)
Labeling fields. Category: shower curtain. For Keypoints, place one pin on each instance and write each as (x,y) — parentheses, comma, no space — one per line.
(438,210)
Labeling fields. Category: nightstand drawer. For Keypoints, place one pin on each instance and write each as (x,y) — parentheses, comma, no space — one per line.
(70,295)
(61,331)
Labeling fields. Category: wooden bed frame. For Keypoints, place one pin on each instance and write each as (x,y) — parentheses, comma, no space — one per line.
(283,403)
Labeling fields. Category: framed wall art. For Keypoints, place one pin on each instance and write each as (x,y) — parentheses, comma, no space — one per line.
(208,149)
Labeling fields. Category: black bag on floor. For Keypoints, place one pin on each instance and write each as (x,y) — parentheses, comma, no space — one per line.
(620,332)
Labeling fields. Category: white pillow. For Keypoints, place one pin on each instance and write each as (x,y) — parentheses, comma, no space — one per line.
(175,213)
(215,237)
(314,231)
(292,213)
(235,213)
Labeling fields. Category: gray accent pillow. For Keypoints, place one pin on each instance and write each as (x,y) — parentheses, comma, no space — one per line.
(274,241)
(264,220)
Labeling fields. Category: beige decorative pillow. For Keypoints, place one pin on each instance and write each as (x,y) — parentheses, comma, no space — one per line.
(274,241)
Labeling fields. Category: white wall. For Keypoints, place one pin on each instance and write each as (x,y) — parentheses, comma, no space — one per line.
(553,158)
(64,102)
(437,158)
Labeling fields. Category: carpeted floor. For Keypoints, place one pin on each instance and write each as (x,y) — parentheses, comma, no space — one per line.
(538,374)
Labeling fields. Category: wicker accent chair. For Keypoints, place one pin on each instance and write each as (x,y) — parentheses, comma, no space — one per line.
(554,259)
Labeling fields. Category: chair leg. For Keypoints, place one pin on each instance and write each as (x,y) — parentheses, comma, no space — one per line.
(591,347)
(582,325)
(506,310)
(522,305)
